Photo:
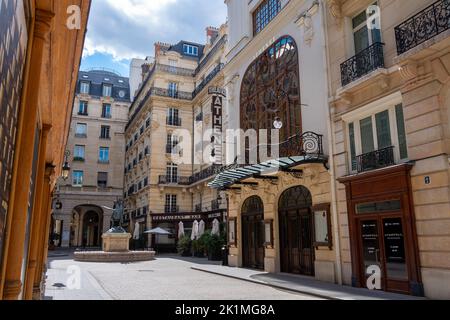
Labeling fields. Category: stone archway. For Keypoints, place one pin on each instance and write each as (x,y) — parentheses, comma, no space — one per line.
(253,249)
(296,231)
(87,226)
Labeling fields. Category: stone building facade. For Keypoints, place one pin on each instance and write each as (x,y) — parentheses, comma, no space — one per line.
(38,75)
(165,173)
(96,148)
(390,122)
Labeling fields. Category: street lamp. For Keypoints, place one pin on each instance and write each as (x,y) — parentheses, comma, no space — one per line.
(66,166)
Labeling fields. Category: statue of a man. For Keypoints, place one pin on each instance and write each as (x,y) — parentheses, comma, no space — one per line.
(117,215)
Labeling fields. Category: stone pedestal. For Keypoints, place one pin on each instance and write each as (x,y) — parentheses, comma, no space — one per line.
(116,242)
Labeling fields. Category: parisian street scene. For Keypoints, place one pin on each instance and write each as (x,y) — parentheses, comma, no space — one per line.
(225,150)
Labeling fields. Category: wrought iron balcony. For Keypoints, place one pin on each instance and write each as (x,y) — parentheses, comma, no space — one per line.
(171,209)
(208,79)
(363,63)
(173,121)
(175,70)
(180,95)
(167,179)
(425,25)
(308,143)
(375,160)
(205,174)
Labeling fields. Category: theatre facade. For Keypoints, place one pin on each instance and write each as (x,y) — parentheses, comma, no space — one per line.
(280,208)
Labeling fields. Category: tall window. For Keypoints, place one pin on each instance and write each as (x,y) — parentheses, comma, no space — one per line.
(378,132)
(270,90)
(171,203)
(102,180)
(265,13)
(105,132)
(84,87)
(172,173)
(190,50)
(173,89)
(83,109)
(172,142)
(103,155)
(173,117)
(107,90)
(106,111)
(79,153)
(77,178)
(363,37)
(173,65)
(81,130)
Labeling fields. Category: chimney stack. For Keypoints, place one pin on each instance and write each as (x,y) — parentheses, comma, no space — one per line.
(211,35)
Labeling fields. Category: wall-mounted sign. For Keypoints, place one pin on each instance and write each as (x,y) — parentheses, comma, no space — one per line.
(216,139)
(322,226)
(232,230)
(217,91)
(268,233)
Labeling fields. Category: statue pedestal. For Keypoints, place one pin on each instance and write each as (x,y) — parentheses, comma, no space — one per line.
(116,242)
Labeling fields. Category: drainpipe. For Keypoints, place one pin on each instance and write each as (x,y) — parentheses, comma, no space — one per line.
(330,128)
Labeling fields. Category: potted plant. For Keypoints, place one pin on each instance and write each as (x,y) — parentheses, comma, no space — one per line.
(197,249)
(214,246)
(184,246)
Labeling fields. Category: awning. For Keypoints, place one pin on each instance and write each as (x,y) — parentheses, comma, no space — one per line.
(235,174)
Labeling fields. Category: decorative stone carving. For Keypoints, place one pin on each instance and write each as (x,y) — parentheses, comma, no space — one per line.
(335,8)
(305,20)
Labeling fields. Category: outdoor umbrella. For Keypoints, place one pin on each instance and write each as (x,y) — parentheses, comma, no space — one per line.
(194,234)
(136,234)
(180,230)
(216,227)
(201,228)
(158,231)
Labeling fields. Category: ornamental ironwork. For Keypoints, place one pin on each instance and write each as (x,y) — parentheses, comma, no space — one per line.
(363,63)
(425,25)
(375,160)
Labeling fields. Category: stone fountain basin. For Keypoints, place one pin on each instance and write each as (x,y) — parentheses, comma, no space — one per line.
(102,256)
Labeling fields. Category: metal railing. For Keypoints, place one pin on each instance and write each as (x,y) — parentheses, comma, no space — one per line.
(423,26)
(173,121)
(175,70)
(180,95)
(375,160)
(208,79)
(363,63)
(205,174)
(308,143)
(168,179)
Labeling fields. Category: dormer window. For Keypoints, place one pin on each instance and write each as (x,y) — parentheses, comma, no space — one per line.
(107,90)
(190,50)
(84,87)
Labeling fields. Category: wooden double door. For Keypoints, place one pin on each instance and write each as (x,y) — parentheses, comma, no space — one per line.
(253,241)
(296,241)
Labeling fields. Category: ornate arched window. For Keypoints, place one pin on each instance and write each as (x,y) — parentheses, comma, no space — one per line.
(295,198)
(253,205)
(271,90)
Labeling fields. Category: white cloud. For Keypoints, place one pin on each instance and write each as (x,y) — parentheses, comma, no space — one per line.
(128,28)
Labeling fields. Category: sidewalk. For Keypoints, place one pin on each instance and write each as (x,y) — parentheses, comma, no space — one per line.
(304,285)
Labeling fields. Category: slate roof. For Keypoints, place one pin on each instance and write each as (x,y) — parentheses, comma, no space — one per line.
(179,48)
(99,77)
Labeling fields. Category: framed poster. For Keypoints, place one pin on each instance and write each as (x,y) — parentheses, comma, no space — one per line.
(268,234)
(322,226)
(232,231)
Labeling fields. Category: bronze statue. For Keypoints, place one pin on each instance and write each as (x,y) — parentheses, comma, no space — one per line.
(117,217)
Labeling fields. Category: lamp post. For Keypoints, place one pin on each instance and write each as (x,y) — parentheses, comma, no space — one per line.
(66,166)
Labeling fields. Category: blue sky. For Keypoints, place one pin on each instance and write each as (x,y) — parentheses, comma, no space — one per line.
(119,30)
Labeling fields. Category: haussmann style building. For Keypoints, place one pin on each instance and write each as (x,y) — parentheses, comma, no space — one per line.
(168,140)
(95,154)
(40,50)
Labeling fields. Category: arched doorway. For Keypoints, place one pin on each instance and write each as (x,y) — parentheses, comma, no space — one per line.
(296,231)
(253,250)
(91,229)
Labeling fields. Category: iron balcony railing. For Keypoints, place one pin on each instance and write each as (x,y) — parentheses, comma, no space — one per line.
(168,179)
(375,160)
(173,121)
(423,26)
(363,63)
(308,143)
(205,174)
(180,95)
(171,209)
(208,79)
(175,70)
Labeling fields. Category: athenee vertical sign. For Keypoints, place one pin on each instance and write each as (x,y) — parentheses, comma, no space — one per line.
(217,123)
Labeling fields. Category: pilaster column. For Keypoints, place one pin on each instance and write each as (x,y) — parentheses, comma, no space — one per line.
(43,234)
(40,201)
(24,159)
